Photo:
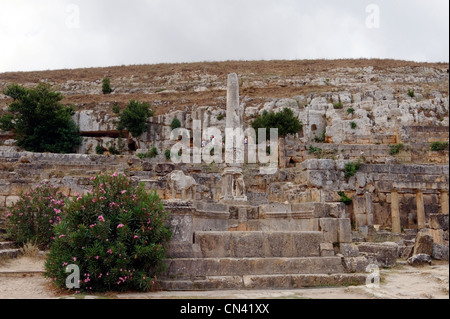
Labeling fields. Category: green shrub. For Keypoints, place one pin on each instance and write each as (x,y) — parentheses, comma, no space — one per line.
(100,150)
(439,146)
(285,121)
(315,150)
(321,138)
(353,125)
(39,120)
(395,149)
(116,234)
(175,124)
(113,150)
(350,110)
(152,153)
(106,86)
(167,154)
(352,168)
(31,218)
(134,118)
(344,198)
(411,93)
(220,117)
(338,105)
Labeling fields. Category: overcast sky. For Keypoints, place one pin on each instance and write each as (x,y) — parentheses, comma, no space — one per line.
(59,34)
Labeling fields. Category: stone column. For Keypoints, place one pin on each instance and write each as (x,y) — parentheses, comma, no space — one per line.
(395,213)
(444,202)
(420,210)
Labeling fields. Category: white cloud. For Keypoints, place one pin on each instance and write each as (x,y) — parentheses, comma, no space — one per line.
(34,34)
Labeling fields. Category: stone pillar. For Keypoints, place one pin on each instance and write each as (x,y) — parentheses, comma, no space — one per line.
(421,221)
(395,213)
(444,202)
(369,208)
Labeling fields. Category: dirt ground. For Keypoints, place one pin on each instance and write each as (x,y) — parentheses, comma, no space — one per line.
(403,282)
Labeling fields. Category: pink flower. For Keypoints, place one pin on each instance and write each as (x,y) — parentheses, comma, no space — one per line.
(136,237)
(120,226)
(115,174)
(96,257)
(57,211)
(74,258)
(123,192)
(93,200)
(93,225)
(78,198)
(101,218)
(61,236)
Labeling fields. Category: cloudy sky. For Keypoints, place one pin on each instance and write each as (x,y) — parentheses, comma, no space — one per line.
(59,34)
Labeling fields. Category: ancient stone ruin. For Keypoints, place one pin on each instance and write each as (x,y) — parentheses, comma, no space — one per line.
(238,227)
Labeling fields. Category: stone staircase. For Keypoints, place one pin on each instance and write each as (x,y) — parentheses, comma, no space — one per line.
(8,250)
(257,260)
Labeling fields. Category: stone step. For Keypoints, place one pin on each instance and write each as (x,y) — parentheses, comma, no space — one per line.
(186,268)
(259,244)
(285,281)
(9,253)
(7,245)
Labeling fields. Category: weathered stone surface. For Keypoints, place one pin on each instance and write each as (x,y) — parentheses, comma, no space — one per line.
(405,252)
(329,227)
(440,252)
(385,253)
(259,244)
(345,230)
(182,227)
(349,250)
(326,250)
(439,221)
(424,244)
(197,267)
(302,281)
(180,183)
(420,260)
(355,264)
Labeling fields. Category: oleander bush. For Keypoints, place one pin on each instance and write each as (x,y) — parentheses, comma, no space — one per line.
(116,234)
(31,218)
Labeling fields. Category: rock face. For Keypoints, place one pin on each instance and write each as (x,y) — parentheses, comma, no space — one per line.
(424,244)
(440,252)
(420,260)
(385,254)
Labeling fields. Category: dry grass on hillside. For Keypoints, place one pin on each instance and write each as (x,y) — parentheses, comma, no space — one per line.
(282,68)
(164,101)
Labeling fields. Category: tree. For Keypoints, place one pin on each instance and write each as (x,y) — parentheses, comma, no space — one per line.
(175,124)
(134,117)
(40,121)
(284,121)
(106,86)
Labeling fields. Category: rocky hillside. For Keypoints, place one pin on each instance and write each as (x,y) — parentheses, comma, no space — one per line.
(352,101)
